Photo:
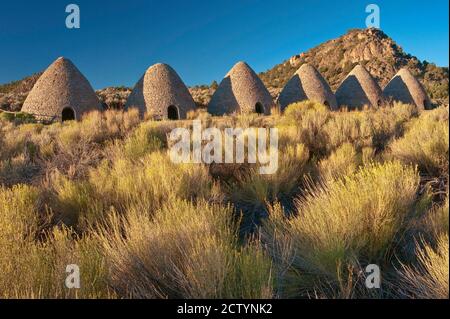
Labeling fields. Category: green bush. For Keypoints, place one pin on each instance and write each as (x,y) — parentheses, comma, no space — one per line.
(425,143)
(183,251)
(339,225)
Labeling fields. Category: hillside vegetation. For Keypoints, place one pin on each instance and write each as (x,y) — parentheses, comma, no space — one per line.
(352,189)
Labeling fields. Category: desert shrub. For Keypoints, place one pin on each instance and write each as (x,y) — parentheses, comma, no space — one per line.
(6,116)
(97,127)
(198,114)
(339,226)
(429,278)
(344,161)
(71,154)
(17,118)
(183,251)
(275,111)
(74,147)
(404,112)
(17,170)
(33,258)
(436,222)
(425,144)
(20,223)
(369,128)
(244,121)
(430,225)
(252,190)
(150,182)
(19,212)
(388,123)
(107,197)
(18,141)
(66,248)
(323,131)
(116,123)
(74,202)
(91,129)
(349,127)
(287,135)
(38,269)
(145,139)
(309,118)
(383,127)
(126,184)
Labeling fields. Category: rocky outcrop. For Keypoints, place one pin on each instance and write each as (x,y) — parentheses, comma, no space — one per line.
(373,49)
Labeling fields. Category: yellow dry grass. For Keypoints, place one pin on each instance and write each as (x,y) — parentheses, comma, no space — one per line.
(352,188)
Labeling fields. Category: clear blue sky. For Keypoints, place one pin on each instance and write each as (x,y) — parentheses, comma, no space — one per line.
(119,40)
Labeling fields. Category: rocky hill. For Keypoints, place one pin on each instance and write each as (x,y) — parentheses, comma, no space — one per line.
(114,97)
(370,47)
(12,95)
(334,59)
